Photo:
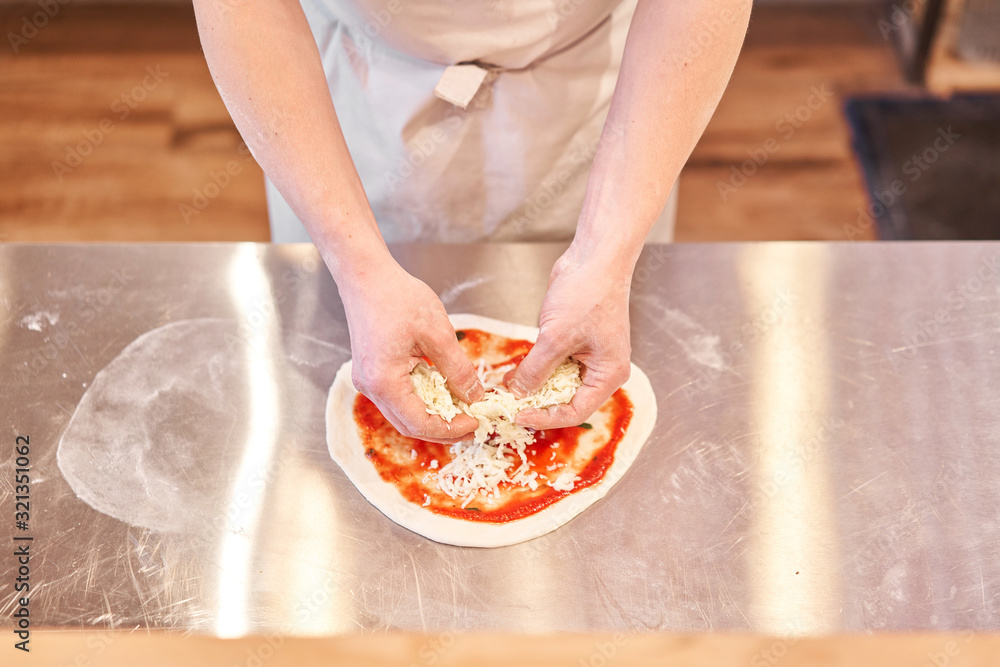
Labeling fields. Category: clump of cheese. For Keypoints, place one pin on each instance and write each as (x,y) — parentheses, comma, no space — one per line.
(496,454)
(432,389)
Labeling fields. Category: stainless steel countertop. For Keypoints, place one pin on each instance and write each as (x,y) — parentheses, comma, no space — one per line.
(827,456)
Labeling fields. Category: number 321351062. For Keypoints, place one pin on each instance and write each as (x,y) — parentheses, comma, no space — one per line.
(22,478)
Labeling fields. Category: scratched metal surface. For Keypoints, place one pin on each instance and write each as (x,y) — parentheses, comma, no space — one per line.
(826,457)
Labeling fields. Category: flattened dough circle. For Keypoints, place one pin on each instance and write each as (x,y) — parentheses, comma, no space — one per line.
(346,449)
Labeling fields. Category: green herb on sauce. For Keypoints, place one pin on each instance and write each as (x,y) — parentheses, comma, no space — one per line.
(472,509)
(460,335)
(370,453)
(586,425)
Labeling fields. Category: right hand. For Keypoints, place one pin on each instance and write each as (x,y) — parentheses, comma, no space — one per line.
(394,320)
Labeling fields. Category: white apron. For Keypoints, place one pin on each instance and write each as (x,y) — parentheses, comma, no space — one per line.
(513,166)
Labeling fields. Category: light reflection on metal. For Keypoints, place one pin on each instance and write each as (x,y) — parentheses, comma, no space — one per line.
(250,288)
(793,561)
(310,597)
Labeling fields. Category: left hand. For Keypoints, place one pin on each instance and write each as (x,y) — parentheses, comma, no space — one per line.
(584,316)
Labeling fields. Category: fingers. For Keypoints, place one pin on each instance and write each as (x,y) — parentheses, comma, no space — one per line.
(584,404)
(398,403)
(537,366)
(442,348)
(414,422)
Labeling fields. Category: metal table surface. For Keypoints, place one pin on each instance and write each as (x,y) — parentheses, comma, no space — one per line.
(825,460)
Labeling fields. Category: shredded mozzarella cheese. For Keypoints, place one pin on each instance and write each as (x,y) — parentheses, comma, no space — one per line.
(565,482)
(432,389)
(496,454)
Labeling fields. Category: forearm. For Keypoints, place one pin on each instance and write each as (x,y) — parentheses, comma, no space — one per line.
(267,68)
(671,80)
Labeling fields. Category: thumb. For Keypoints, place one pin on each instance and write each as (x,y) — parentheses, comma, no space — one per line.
(443,349)
(536,367)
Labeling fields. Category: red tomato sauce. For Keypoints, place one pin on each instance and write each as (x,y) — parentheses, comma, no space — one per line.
(392,453)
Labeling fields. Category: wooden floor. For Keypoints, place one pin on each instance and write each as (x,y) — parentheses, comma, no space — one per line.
(111,129)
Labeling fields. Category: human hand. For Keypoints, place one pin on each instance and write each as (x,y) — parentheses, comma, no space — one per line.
(394,320)
(584,316)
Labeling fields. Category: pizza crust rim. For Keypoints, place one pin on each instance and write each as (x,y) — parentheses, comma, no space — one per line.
(347,451)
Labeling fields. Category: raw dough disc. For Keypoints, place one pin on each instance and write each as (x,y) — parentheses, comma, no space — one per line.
(157,439)
(346,449)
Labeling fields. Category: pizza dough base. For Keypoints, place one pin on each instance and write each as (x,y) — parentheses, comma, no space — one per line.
(346,449)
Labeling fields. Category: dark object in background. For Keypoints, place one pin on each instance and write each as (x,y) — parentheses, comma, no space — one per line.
(979,32)
(932,166)
(912,26)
